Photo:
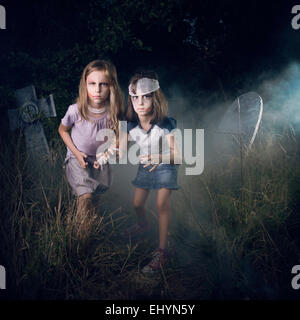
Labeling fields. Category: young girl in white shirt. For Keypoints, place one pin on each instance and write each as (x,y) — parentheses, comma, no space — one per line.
(149,126)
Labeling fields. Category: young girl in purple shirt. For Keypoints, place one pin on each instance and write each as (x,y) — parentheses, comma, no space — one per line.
(99,105)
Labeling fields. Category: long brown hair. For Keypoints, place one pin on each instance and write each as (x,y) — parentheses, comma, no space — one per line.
(115,96)
(160,104)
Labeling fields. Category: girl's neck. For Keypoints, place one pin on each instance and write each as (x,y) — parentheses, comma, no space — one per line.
(97,110)
(98,106)
(145,121)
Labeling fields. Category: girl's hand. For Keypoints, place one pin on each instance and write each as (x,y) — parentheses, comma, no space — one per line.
(102,159)
(149,164)
(153,159)
(96,165)
(80,157)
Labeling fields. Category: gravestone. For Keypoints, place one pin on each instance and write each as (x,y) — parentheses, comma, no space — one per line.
(240,123)
(26,117)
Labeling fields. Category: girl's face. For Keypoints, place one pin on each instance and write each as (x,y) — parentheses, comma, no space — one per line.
(98,88)
(142,105)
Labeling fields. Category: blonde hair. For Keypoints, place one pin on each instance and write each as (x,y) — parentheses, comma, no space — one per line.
(115,96)
(159,105)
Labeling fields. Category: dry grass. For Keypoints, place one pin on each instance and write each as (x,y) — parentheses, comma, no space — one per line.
(228,239)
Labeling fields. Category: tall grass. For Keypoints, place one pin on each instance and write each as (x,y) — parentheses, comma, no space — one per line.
(229,239)
(40,249)
(238,228)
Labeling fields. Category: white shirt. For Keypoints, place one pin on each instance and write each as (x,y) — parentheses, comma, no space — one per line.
(152,141)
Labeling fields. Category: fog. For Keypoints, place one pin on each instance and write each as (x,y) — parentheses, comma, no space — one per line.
(280,94)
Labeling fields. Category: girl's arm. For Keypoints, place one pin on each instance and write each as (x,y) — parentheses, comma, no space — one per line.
(122,144)
(64,133)
(155,159)
(175,153)
(118,147)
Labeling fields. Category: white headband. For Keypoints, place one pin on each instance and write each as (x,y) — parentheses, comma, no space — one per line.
(144,86)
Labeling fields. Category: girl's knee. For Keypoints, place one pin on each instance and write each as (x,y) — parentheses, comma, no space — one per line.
(163,206)
(138,205)
(85,196)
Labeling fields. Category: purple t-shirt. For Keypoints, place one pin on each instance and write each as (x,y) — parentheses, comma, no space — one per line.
(84,132)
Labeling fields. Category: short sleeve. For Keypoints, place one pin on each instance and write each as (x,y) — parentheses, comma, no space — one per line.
(172,123)
(131,125)
(71,116)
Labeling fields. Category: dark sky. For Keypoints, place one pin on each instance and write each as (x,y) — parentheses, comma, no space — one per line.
(34,24)
(259,35)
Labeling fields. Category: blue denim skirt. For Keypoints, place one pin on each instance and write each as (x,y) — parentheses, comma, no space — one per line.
(164,176)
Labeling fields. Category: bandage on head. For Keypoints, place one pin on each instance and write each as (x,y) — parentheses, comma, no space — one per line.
(143,86)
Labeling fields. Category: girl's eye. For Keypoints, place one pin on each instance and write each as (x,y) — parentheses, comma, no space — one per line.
(148,96)
(134,97)
(103,84)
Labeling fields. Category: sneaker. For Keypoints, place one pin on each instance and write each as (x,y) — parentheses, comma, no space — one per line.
(136,231)
(158,260)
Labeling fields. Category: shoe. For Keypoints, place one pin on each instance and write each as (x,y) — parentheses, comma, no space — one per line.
(158,260)
(136,231)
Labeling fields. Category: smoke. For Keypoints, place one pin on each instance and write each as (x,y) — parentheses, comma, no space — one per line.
(281,97)
(280,93)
